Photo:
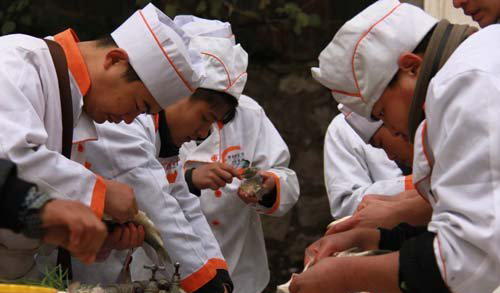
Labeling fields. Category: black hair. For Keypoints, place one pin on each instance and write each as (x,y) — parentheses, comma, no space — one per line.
(216,98)
(107,41)
(420,49)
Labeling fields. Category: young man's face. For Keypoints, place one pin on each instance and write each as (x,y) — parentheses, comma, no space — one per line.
(396,147)
(484,12)
(122,102)
(191,119)
(394,104)
(113,98)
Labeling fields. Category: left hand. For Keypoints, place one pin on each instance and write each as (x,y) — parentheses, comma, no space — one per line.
(325,276)
(268,185)
(123,237)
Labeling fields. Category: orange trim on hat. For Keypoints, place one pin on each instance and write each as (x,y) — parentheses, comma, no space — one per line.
(223,65)
(199,278)
(186,83)
(76,64)
(359,42)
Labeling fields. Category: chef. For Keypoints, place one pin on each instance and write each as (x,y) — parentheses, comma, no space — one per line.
(113,79)
(354,168)
(247,137)
(144,154)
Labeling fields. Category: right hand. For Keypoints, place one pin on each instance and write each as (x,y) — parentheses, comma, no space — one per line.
(74,226)
(213,175)
(126,236)
(364,239)
(120,201)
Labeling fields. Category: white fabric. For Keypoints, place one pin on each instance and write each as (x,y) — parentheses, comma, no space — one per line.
(363,127)
(157,50)
(236,225)
(128,153)
(225,64)
(361,59)
(354,169)
(196,26)
(30,123)
(462,109)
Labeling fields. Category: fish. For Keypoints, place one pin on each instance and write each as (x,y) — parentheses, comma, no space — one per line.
(151,234)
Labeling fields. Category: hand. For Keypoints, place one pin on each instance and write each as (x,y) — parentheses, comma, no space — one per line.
(268,185)
(125,236)
(387,214)
(364,239)
(213,175)
(326,276)
(398,197)
(120,201)
(74,226)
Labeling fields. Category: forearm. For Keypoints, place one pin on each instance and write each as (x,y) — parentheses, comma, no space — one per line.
(417,212)
(372,273)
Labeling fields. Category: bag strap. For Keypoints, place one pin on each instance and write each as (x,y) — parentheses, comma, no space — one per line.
(61,66)
(59,59)
(444,40)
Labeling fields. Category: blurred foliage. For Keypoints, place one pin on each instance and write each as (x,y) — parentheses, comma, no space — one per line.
(267,29)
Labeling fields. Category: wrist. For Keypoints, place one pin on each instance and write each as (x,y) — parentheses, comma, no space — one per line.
(33,214)
(367,238)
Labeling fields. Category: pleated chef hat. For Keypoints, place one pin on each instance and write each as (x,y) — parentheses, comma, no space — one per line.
(224,62)
(362,126)
(158,51)
(362,58)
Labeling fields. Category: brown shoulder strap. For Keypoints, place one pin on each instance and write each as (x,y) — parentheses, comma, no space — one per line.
(59,59)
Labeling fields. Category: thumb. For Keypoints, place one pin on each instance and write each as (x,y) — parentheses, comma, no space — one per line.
(343,226)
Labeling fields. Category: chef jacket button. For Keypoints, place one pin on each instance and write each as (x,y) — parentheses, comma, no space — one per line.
(218,193)
(214,158)
(215,223)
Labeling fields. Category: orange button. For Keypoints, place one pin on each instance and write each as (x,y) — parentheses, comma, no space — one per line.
(218,193)
(214,158)
(80,148)
(215,223)
(88,165)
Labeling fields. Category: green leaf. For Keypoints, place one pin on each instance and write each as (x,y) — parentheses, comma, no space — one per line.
(8,27)
(170,10)
(202,7)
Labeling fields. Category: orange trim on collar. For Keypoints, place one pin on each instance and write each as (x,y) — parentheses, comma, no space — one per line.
(68,41)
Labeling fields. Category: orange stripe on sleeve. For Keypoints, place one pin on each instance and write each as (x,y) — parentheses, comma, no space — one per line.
(98,197)
(199,278)
(409,183)
(278,194)
(218,264)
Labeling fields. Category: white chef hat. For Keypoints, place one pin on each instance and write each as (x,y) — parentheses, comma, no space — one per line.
(363,127)
(157,50)
(197,26)
(362,58)
(224,62)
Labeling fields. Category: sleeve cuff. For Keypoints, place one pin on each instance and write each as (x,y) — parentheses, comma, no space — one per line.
(98,197)
(277,200)
(418,269)
(394,239)
(188,176)
(409,183)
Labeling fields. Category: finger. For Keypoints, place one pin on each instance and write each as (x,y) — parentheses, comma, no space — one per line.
(125,239)
(114,238)
(346,225)
(232,170)
(224,175)
(134,236)
(142,235)
(219,182)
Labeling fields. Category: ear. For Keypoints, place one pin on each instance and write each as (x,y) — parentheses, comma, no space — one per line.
(115,56)
(410,63)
